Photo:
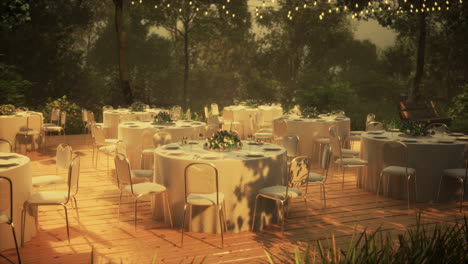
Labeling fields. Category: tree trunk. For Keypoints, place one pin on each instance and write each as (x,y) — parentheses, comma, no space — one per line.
(414,93)
(186,65)
(122,54)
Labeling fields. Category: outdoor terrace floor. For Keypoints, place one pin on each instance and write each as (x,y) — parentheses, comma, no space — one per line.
(99,232)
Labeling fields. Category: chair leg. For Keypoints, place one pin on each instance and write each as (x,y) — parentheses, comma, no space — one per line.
(23,225)
(438,191)
(378,189)
(16,242)
(462,194)
(416,195)
(166,196)
(407,191)
(135,212)
(343,172)
(183,225)
(118,210)
(76,209)
(224,216)
(324,195)
(254,213)
(282,216)
(66,220)
(221,218)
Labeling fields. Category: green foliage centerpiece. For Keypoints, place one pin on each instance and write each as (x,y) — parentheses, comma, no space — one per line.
(7,109)
(412,128)
(310,112)
(223,141)
(137,107)
(162,118)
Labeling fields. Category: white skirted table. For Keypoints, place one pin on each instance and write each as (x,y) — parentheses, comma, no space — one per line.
(131,132)
(428,155)
(241,174)
(309,129)
(262,116)
(17,168)
(10,125)
(112,118)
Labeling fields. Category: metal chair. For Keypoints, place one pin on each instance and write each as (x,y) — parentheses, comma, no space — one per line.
(59,129)
(101,144)
(298,175)
(342,161)
(8,219)
(54,119)
(61,198)
(138,175)
(137,190)
(26,135)
(63,157)
(211,130)
(291,144)
(176,112)
(202,189)
(374,126)
(5,146)
(459,174)
(321,178)
(147,145)
(438,128)
(395,158)
(107,108)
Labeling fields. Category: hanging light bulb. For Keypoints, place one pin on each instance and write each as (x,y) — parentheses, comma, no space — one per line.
(133,2)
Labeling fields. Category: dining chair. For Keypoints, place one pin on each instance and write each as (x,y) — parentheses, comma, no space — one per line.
(188,115)
(280,129)
(213,120)
(63,157)
(138,175)
(147,145)
(59,129)
(5,146)
(459,174)
(355,136)
(211,130)
(101,144)
(26,134)
(438,128)
(107,108)
(374,126)
(136,190)
(54,119)
(322,141)
(176,112)
(8,218)
(55,198)
(348,152)
(298,175)
(339,159)
(264,134)
(92,120)
(395,159)
(214,109)
(202,189)
(291,144)
(161,138)
(321,178)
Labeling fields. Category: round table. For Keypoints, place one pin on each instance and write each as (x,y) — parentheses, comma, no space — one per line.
(10,125)
(308,129)
(111,118)
(20,175)
(240,178)
(425,154)
(262,115)
(131,132)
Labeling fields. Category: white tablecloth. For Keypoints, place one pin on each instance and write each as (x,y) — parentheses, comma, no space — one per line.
(131,132)
(10,125)
(20,175)
(240,178)
(310,129)
(262,115)
(111,118)
(427,156)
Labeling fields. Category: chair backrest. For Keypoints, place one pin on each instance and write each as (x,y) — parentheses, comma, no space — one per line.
(121,148)
(107,108)
(374,125)
(73,176)
(55,116)
(5,146)
(84,115)
(147,137)
(211,130)
(395,153)
(213,120)
(123,172)
(370,117)
(176,112)
(339,113)
(188,115)
(335,144)
(214,109)
(298,172)
(280,127)
(201,178)
(63,119)
(438,128)
(325,161)
(5,204)
(161,138)
(291,143)
(90,117)
(207,112)
(253,122)
(63,156)
(98,134)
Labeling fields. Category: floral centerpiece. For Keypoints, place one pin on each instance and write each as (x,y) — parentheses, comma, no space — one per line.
(412,128)
(137,107)
(223,140)
(310,112)
(162,118)
(7,109)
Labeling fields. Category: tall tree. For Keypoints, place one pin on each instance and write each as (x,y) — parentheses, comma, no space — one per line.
(122,52)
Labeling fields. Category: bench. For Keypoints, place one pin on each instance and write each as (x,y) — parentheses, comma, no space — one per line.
(423,112)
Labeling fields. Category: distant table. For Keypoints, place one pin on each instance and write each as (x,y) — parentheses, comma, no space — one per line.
(428,155)
(10,125)
(240,178)
(309,129)
(112,118)
(20,175)
(261,115)
(131,132)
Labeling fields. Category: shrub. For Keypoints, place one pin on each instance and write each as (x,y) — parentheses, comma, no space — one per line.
(74,123)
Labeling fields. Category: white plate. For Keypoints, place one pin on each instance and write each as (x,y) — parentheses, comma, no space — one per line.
(298,120)
(8,155)
(456,134)
(254,155)
(176,152)
(445,141)
(409,140)
(129,123)
(380,137)
(462,138)
(7,163)
(192,142)
(171,147)
(375,132)
(210,156)
(134,126)
(185,126)
(271,149)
